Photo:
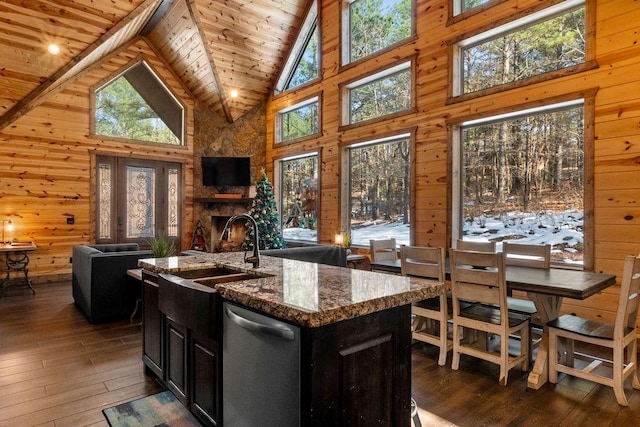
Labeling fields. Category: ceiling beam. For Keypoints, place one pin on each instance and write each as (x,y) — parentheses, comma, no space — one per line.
(72,68)
(223,95)
(156,17)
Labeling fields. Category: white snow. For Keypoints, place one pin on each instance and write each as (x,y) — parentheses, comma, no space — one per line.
(564,228)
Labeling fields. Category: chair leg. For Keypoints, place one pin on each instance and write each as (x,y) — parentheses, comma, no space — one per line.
(504,359)
(618,379)
(455,360)
(442,359)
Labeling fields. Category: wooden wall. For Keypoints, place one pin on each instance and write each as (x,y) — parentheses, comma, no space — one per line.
(617,124)
(47,157)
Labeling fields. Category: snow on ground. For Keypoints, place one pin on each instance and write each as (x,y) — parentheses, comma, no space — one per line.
(557,229)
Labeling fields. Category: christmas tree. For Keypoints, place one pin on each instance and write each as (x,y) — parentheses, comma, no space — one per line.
(265,211)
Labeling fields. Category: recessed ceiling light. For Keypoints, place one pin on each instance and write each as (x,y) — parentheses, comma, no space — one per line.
(234,93)
(53,49)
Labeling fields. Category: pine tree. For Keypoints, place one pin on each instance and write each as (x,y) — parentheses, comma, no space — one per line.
(264,210)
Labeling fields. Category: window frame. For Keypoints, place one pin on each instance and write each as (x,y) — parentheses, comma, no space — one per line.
(277,128)
(345,36)
(456,14)
(547,10)
(345,177)
(378,74)
(277,167)
(140,61)
(311,22)
(587,100)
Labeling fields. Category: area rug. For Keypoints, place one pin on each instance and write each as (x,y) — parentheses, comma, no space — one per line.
(159,410)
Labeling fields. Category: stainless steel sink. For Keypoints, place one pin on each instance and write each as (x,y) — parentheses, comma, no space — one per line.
(205,272)
(232,277)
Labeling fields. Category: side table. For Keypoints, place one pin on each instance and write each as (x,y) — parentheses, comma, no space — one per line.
(17,260)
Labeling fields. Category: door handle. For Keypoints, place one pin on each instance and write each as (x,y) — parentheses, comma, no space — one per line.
(253,326)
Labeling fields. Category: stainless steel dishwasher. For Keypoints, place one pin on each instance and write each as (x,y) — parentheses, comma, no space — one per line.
(261,370)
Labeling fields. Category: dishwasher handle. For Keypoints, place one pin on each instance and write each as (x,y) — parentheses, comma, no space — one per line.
(280,332)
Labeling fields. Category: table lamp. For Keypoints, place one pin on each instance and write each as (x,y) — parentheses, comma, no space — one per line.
(9,227)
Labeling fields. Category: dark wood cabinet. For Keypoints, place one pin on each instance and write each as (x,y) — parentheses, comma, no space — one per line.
(176,362)
(206,378)
(358,372)
(153,329)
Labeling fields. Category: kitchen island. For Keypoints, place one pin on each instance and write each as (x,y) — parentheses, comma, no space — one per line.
(348,360)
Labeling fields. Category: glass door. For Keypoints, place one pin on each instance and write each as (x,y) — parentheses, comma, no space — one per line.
(137,200)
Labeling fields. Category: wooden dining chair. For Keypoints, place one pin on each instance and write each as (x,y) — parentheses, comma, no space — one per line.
(619,337)
(429,263)
(533,256)
(480,277)
(382,250)
(475,245)
(525,255)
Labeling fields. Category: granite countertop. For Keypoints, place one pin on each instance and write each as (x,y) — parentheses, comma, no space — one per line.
(303,293)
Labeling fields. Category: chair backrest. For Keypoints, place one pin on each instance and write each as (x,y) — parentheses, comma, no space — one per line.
(475,245)
(627,314)
(382,250)
(422,262)
(479,277)
(525,255)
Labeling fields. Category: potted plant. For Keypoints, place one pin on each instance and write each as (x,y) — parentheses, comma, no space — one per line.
(161,246)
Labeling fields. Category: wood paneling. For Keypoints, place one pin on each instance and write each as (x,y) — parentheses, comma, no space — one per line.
(46,164)
(617,122)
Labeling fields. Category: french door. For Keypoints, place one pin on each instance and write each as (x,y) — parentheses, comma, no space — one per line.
(136,200)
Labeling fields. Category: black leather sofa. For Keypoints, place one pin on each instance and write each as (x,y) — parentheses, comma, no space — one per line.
(100,285)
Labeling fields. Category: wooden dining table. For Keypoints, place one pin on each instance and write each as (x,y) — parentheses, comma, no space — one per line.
(545,288)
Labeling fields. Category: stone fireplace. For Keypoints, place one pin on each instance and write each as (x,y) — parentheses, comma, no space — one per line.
(214,214)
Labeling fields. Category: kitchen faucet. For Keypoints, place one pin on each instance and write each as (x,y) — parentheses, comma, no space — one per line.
(255,258)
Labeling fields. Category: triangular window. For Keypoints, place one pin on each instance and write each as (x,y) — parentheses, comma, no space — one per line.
(137,105)
(303,63)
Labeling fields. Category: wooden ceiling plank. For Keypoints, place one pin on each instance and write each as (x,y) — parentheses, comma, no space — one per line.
(28,102)
(191,4)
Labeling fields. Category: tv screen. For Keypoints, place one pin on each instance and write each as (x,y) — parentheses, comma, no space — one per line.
(226,171)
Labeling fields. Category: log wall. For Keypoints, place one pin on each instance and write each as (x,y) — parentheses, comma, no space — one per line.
(616,77)
(47,158)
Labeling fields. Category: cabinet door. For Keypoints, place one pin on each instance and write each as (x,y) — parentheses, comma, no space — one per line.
(153,330)
(350,364)
(206,371)
(176,368)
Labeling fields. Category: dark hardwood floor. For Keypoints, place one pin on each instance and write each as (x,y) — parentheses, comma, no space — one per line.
(56,369)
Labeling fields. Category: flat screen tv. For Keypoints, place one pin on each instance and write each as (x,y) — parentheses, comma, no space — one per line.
(226,171)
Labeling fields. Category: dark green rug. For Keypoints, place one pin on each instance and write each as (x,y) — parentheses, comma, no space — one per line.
(161,409)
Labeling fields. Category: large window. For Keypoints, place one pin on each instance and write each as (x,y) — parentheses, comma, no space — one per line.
(370,26)
(298,190)
(137,105)
(378,95)
(550,40)
(303,63)
(522,178)
(298,121)
(379,184)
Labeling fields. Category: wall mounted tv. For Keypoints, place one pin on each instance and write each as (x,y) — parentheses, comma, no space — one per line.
(226,171)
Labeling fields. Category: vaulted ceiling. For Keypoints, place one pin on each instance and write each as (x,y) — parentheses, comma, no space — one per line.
(213,46)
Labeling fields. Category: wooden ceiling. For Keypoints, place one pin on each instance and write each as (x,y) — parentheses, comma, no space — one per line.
(213,46)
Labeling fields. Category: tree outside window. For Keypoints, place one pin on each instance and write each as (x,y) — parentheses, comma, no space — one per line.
(379,184)
(299,198)
(307,65)
(532,49)
(522,179)
(298,121)
(375,25)
(136,105)
(384,96)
